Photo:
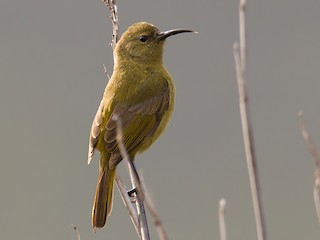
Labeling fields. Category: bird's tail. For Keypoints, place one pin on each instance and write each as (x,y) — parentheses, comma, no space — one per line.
(103,199)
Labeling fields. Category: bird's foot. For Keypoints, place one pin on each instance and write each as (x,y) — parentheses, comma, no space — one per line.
(132,194)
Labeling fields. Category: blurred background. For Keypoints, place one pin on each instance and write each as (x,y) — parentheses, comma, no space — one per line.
(51,83)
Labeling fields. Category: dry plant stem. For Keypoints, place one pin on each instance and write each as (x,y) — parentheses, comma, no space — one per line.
(144,230)
(106,71)
(316,194)
(222,222)
(139,215)
(242,33)
(127,202)
(134,177)
(143,218)
(153,212)
(140,226)
(316,160)
(240,62)
(76,230)
(112,7)
(308,140)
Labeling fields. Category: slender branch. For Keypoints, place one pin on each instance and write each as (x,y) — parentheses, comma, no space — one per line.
(128,204)
(153,212)
(316,194)
(240,62)
(242,34)
(135,182)
(312,148)
(112,7)
(76,230)
(106,71)
(143,195)
(222,222)
(314,153)
(134,177)
(138,217)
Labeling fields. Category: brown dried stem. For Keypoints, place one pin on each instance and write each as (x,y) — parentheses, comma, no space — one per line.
(135,182)
(314,153)
(112,7)
(138,217)
(153,212)
(128,204)
(141,196)
(240,62)
(222,222)
(76,230)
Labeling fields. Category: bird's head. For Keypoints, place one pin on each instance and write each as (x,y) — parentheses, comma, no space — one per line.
(143,42)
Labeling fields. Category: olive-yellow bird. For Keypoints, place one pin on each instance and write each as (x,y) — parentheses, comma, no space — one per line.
(141,93)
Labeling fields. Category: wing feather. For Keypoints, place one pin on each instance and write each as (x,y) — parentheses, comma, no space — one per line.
(139,122)
(95,131)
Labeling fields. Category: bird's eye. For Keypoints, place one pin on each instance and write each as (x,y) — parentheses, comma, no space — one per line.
(143,38)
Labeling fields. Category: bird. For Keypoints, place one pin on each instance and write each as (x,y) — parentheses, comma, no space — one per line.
(141,94)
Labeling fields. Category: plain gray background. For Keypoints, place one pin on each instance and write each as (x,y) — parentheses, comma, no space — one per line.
(52,80)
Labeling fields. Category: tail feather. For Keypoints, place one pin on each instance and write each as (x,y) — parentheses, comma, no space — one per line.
(103,199)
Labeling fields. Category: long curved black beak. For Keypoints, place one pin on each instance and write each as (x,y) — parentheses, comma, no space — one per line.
(164,35)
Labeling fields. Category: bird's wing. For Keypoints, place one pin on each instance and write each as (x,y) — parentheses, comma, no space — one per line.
(95,131)
(139,122)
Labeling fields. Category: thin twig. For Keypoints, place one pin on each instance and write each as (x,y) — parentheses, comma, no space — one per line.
(138,183)
(76,230)
(139,196)
(138,217)
(128,204)
(242,34)
(153,212)
(135,181)
(316,161)
(222,222)
(240,62)
(316,194)
(312,148)
(112,7)
(106,71)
